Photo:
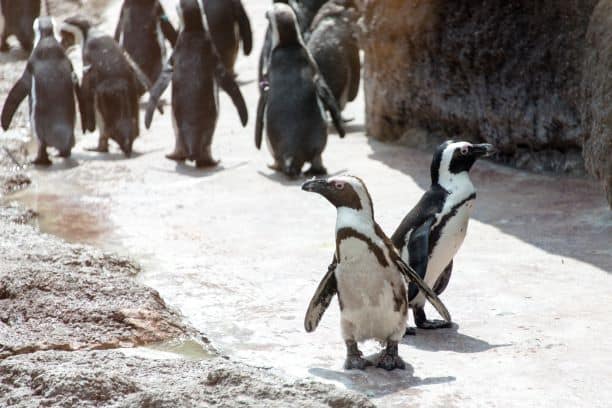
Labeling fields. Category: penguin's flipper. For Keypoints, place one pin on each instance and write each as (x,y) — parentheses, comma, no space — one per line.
(427,207)
(166,26)
(141,77)
(329,100)
(87,102)
(321,298)
(264,58)
(411,276)
(229,85)
(156,92)
(244,26)
(79,96)
(261,110)
(16,95)
(355,69)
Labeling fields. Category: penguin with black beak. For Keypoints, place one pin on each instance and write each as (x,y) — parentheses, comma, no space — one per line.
(430,235)
(367,274)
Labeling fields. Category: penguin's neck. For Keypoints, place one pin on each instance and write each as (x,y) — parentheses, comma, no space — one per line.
(457,184)
(361,220)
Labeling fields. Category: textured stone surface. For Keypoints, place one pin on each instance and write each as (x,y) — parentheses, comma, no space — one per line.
(110,379)
(597,88)
(508,73)
(66,297)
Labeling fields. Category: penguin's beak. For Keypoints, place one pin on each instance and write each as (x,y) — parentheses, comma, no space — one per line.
(315,185)
(482,150)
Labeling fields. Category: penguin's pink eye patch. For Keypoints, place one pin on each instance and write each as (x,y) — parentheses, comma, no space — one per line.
(338,185)
(465,150)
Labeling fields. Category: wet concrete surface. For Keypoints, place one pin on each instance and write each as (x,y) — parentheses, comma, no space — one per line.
(239,250)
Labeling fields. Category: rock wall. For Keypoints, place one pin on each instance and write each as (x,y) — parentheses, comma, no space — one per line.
(597,96)
(506,72)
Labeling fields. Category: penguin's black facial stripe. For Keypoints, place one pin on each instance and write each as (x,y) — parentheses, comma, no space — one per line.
(462,160)
(437,161)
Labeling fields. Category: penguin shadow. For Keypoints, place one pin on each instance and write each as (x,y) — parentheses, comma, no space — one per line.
(376,382)
(448,340)
(190,170)
(110,156)
(57,165)
(281,178)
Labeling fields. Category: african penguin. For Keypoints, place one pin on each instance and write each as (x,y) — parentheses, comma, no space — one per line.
(430,235)
(51,85)
(142,29)
(291,103)
(196,72)
(17,18)
(228,24)
(333,44)
(367,274)
(110,86)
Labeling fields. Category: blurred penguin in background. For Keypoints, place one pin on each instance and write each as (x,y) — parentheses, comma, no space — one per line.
(142,30)
(228,25)
(17,18)
(334,45)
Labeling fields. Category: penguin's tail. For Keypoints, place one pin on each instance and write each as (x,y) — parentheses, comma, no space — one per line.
(62,138)
(120,112)
(291,168)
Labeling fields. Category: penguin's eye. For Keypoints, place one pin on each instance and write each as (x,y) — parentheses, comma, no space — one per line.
(465,150)
(338,185)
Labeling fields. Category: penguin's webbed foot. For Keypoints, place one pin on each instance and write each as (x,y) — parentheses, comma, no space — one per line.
(99,149)
(390,359)
(42,161)
(315,171)
(434,324)
(421,321)
(208,162)
(354,357)
(65,154)
(356,363)
(177,156)
(410,331)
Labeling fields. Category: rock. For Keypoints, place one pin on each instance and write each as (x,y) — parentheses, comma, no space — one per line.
(111,379)
(509,73)
(56,296)
(597,96)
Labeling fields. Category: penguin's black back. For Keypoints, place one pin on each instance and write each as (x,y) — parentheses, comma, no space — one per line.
(223,30)
(193,86)
(140,36)
(293,119)
(107,59)
(54,93)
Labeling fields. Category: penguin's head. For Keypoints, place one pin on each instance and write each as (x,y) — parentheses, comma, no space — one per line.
(74,31)
(342,191)
(285,30)
(43,27)
(190,15)
(453,158)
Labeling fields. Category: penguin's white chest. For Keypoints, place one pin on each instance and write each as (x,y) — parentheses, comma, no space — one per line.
(371,295)
(452,231)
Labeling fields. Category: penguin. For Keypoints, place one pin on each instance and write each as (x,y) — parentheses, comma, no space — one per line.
(367,274)
(334,46)
(196,71)
(307,13)
(17,18)
(110,86)
(143,25)
(228,25)
(51,84)
(430,235)
(290,105)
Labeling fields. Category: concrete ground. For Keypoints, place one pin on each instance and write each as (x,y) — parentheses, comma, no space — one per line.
(239,251)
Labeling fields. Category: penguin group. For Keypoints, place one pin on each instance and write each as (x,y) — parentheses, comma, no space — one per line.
(309,69)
